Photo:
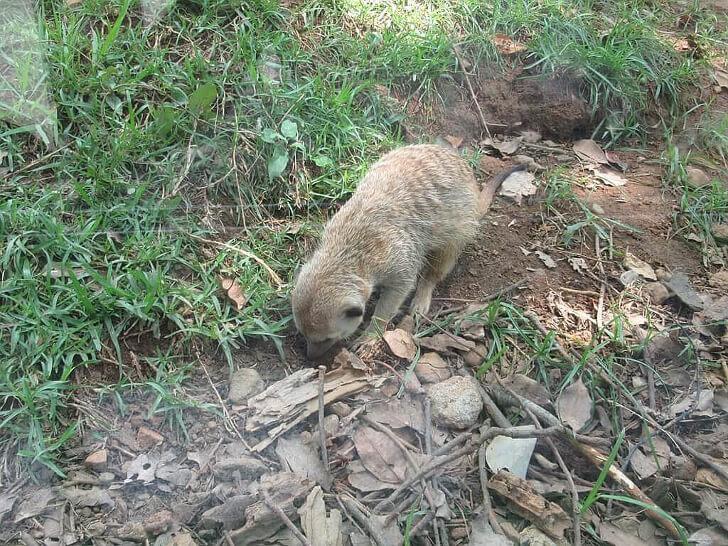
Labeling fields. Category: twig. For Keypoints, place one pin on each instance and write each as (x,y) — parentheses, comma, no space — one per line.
(273,275)
(472,93)
(321,404)
(278,511)
(364,520)
(434,465)
(615,473)
(510,398)
(487,504)
(490,297)
(490,406)
(598,459)
(575,513)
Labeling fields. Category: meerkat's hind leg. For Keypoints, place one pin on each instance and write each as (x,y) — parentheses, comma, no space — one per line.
(439,265)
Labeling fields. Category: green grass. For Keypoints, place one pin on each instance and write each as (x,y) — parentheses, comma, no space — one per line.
(240,121)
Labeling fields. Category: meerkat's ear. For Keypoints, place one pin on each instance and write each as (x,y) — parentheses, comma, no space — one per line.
(353,311)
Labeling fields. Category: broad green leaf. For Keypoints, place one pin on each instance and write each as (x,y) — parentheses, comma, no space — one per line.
(278,162)
(289,129)
(203,98)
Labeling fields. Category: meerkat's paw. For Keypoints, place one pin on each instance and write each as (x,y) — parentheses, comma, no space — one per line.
(422,300)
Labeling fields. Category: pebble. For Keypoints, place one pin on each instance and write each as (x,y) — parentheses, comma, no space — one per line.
(97,460)
(663,275)
(697,177)
(657,292)
(432,368)
(533,537)
(456,402)
(244,383)
(106,477)
(720,233)
(596,207)
(475,357)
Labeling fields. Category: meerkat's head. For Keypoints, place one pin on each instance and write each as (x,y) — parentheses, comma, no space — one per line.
(327,307)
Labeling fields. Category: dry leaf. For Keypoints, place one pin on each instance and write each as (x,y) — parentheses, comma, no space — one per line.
(443,343)
(319,529)
(702,406)
(642,268)
(721,78)
(34,504)
(142,468)
(575,405)
(712,478)
(643,465)
(234,293)
(518,185)
(506,45)
(380,455)
(507,147)
(547,260)
(609,176)
(513,454)
(400,343)
(680,285)
(528,388)
(454,141)
(611,534)
(578,264)
(482,534)
(589,150)
(302,459)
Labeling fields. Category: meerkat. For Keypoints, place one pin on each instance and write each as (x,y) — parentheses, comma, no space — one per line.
(403,229)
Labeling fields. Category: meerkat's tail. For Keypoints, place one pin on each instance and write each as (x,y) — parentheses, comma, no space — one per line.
(491,187)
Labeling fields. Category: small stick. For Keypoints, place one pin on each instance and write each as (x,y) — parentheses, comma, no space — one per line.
(490,434)
(487,504)
(278,511)
(490,406)
(472,92)
(575,514)
(321,404)
(364,520)
(273,275)
(490,297)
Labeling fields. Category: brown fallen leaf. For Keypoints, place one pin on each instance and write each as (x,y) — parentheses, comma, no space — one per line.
(234,293)
(712,478)
(611,534)
(302,459)
(575,405)
(400,343)
(319,529)
(588,150)
(721,78)
(642,268)
(523,500)
(506,45)
(610,177)
(443,343)
(35,503)
(454,141)
(380,455)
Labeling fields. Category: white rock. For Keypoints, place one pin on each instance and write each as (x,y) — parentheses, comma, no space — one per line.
(244,383)
(456,402)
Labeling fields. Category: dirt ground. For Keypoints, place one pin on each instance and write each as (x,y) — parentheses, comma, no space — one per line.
(132,478)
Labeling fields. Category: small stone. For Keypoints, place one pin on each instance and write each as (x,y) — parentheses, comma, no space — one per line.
(95,529)
(412,384)
(159,522)
(456,402)
(432,368)
(342,409)
(663,275)
(532,137)
(331,424)
(458,533)
(596,207)
(697,177)
(244,383)
(719,280)
(97,460)
(475,357)
(533,537)
(106,477)
(248,467)
(657,292)
(148,438)
(720,233)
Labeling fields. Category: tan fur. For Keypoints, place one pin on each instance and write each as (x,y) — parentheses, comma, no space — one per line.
(403,228)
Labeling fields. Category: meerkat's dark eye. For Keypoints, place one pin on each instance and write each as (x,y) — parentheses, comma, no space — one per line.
(353,312)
